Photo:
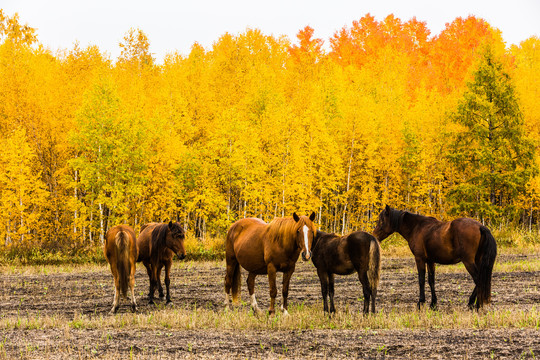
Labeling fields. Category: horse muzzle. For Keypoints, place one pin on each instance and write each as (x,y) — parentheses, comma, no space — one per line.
(306,255)
(181,256)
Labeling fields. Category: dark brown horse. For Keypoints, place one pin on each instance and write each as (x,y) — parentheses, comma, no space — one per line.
(432,241)
(342,255)
(157,245)
(263,248)
(120,249)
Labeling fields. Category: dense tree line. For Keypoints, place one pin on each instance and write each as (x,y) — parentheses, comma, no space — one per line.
(445,125)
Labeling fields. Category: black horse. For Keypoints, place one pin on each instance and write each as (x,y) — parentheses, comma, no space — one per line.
(432,241)
(157,244)
(343,255)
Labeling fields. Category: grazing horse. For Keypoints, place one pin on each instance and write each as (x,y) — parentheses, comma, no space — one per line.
(120,249)
(359,251)
(158,242)
(263,248)
(432,241)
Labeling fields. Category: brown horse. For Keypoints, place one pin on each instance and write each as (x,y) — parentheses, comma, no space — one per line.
(263,248)
(432,241)
(157,245)
(120,249)
(343,255)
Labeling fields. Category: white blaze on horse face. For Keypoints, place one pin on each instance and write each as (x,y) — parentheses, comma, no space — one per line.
(306,242)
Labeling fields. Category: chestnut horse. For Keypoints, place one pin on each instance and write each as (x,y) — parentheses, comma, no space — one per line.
(120,249)
(432,241)
(343,255)
(263,248)
(157,245)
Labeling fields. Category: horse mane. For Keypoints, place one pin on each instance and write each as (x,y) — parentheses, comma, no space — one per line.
(279,226)
(396,218)
(159,239)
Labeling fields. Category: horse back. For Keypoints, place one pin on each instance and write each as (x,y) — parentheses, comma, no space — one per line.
(449,242)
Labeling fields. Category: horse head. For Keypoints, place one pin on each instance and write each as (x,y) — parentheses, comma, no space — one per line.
(175,239)
(305,231)
(387,223)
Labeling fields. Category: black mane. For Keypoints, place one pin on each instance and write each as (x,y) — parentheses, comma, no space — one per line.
(159,236)
(396,218)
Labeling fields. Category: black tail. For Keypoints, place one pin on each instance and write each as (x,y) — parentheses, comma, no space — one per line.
(485,258)
(236,276)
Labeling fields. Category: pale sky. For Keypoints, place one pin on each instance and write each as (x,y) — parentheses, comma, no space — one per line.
(177,25)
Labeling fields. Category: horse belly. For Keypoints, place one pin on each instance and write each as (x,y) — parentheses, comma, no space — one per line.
(443,256)
(343,267)
(251,261)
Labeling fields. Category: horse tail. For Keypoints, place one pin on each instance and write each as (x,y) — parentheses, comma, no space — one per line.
(236,276)
(374,267)
(122,260)
(236,284)
(485,258)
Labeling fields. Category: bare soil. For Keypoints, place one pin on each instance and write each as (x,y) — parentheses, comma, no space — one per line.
(67,295)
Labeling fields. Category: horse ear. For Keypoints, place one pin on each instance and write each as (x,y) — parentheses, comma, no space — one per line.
(387,209)
(170,224)
(312,216)
(295,217)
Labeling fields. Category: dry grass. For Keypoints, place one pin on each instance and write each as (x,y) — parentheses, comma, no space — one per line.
(302,318)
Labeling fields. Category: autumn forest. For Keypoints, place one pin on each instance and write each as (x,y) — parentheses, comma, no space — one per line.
(384,112)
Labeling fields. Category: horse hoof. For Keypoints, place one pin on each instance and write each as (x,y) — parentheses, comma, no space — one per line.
(256,311)
(134,309)
(151,302)
(286,313)
(434,307)
(169,303)
(161,296)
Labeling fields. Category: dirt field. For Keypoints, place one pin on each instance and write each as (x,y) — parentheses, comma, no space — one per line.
(39,317)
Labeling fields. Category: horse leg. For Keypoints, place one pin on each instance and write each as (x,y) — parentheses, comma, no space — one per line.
(473,271)
(331,292)
(116,301)
(251,289)
(323,278)
(285,290)
(133,302)
(362,276)
(421,267)
(153,284)
(160,287)
(132,288)
(148,267)
(273,288)
(431,282)
(168,280)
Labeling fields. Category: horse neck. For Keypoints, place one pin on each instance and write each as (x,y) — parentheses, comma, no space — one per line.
(317,238)
(407,224)
(287,240)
